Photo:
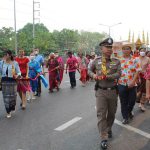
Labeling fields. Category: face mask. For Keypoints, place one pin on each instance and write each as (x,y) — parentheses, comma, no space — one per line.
(142,53)
(32,58)
(36,52)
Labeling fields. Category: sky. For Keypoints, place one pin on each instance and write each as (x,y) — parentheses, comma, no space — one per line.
(85,15)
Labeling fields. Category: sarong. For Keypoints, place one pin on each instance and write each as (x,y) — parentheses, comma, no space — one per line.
(23,85)
(9,91)
(83,75)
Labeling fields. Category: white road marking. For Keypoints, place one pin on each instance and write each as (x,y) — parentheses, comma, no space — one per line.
(145,134)
(67,124)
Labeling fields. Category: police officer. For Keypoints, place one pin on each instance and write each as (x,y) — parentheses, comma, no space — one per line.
(106,71)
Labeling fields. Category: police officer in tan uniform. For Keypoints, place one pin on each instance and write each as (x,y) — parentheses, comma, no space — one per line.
(106,71)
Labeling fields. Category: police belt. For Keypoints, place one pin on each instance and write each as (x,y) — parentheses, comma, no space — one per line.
(104,88)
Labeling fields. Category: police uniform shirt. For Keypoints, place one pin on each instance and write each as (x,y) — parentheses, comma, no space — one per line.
(113,71)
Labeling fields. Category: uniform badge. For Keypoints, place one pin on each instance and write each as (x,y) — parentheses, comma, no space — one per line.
(109,41)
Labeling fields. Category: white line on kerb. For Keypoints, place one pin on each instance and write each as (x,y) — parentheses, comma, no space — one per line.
(147,135)
(67,124)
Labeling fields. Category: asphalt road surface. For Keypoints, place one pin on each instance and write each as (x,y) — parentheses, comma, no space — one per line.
(66,120)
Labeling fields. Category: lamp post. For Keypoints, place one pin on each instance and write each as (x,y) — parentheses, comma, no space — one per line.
(110,26)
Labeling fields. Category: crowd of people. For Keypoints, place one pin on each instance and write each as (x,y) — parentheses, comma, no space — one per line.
(24,74)
(127,76)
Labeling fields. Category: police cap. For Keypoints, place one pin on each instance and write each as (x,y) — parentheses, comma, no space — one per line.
(106,42)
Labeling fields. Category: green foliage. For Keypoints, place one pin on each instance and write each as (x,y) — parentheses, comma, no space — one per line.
(47,42)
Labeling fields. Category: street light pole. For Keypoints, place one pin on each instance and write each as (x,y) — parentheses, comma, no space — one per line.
(109,31)
(15,27)
(110,26)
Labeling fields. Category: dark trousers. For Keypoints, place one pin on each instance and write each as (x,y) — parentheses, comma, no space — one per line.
(127,99)
(39,85)
(72,78)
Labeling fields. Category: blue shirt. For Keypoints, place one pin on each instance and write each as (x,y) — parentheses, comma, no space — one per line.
(39,59)
(34,68)
(6,69)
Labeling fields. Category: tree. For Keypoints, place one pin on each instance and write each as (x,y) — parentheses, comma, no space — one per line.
(90,40)
(43,38)
(47,42)
(7,38)
(66,39)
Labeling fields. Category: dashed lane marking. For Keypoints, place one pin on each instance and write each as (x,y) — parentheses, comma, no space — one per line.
(67,124)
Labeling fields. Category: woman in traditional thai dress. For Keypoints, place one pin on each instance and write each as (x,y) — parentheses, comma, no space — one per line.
(147,77)
(23,83)
(53,67)
(61,67)
(144,62)
(83,65)
(10,71)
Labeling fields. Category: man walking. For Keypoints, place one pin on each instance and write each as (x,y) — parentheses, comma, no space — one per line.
(71,66)
(106,71)
(130,67)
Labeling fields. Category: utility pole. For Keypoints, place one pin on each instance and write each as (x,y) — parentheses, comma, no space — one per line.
(15,27)
(35,18)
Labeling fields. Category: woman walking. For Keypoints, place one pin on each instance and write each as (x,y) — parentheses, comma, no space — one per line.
(34,73)
(53,67)
(83,65)
(23,83)
(10,71)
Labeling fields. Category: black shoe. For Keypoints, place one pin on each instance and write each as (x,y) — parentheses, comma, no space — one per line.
(131,115)
(125,121)
(51,91)
(104,144)
(71,86)
(109,134)
(36,94)
(39,94)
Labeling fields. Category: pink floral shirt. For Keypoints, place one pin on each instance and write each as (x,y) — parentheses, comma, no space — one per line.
(128,69)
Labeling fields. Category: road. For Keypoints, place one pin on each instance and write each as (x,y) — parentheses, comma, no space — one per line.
(66,120)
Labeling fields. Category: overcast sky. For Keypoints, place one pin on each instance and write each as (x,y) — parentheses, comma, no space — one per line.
(82,15)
